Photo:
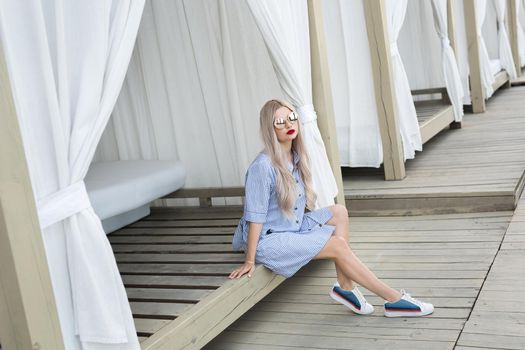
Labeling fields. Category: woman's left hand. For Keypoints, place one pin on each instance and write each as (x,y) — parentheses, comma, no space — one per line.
(247,267)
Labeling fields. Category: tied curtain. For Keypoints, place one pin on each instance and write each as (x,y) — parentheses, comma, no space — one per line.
(504,49)
(487,77)
(449,63)
(66,62)
(284,27)
(406,111)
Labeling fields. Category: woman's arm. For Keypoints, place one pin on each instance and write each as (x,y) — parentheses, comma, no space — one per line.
(254,231)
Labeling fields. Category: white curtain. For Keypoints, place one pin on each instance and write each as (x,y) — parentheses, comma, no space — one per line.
(406,111)
(352,82)
(505,51)
(66,62)
(198,77)
(487,78)
(284,27)
(520,5)
(449,63)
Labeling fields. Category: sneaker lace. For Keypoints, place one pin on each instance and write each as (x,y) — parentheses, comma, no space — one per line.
(409,298)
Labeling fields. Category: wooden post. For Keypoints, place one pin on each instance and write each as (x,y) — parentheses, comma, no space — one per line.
(476,86)
(322,93)
(393,160)
(451,26)
(28,313)
(513,24)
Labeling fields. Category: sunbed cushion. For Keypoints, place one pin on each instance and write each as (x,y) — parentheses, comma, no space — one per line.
(117,187)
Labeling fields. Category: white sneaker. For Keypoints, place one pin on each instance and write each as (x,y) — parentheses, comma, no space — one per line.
(407,307)
(353,299)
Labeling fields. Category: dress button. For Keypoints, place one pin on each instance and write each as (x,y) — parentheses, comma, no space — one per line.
(296,221)
(296,180)
(295,208)
(299,194)
(320,225)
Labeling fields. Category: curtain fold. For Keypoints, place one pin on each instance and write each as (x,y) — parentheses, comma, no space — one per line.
(449,63)
(505,51)
(406,111)
(197,79)
(487,78)
(284,27)
(66,61)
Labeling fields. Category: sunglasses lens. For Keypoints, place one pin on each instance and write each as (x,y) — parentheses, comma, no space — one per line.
(292,117)
(279,123)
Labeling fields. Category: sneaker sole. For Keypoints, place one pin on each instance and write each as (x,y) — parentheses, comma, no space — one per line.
(407,313)
(349,305)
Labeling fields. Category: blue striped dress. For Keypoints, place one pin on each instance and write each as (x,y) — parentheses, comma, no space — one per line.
(285,244)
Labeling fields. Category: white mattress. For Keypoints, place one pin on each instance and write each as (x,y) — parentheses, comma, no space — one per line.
(117,187)
(495,66)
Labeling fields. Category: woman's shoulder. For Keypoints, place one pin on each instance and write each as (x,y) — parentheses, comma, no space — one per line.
(262,164)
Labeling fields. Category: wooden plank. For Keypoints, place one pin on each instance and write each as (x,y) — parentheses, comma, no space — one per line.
(476,86)
(500,79)
(208,318)
(379,43)
(28,312)
(437,122)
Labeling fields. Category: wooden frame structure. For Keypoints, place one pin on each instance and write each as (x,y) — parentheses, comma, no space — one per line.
(502,79)
(433,116)
(30,320)
(28,314)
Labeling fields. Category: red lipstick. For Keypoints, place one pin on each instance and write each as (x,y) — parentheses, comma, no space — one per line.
(291,131)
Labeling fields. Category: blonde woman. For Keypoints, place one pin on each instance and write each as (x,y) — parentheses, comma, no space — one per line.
(276,231)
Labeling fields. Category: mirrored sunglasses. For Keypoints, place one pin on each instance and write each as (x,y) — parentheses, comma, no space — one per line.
(280,123)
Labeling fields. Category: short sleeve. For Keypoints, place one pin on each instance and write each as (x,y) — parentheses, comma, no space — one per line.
(258,188)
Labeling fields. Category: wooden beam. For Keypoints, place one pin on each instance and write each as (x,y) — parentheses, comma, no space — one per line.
(513,24)
(28,313)
(451,26)
(476,86)
(393,160)
(322,92)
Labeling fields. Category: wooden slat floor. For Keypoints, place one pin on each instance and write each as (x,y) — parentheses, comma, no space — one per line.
(498,318)
(442,258)
(476,168)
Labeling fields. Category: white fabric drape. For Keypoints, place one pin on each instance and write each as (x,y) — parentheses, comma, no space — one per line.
(197,79)
(66,62)
(520,5)
(487,78)
(449,64)
(505,51)
(352,82)
(284,27)
(406,111)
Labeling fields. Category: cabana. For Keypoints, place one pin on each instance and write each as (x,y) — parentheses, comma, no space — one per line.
(484,53)
(62,66)
(517,33)
(377,117)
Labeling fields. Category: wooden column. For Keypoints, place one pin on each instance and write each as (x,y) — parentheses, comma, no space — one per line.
(513,25)
(322,92)
(28,313)
(476,87)
(451,26)
(393,160)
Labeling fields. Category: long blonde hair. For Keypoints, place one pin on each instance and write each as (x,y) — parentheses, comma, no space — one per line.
(285,180)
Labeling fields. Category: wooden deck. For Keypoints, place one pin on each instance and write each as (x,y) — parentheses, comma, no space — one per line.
(433,116)
(476,168)
(174,265)
(443,259)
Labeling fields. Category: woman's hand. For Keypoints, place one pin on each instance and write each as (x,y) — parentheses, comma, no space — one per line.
(247,267)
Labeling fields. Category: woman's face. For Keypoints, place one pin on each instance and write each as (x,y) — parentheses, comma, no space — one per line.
(289,132)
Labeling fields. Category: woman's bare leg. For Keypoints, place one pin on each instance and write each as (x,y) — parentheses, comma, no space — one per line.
(340,221)
(350,266)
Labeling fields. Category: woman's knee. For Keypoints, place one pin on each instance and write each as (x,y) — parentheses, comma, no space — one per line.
(339,212)
(338,246)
